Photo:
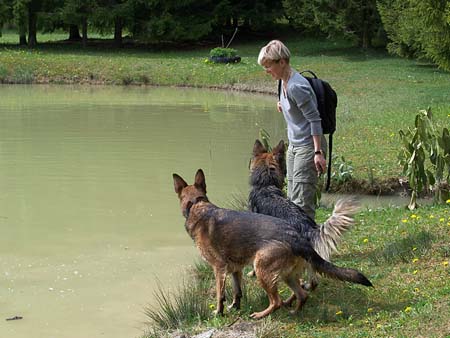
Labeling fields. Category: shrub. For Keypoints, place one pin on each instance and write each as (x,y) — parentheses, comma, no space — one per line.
(343,170)
(425,157)
(223,52)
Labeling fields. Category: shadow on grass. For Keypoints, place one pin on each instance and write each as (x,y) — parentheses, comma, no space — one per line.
(398,251)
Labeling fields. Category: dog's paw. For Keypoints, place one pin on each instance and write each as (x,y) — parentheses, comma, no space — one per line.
(234,306)
(288,302)
(309,286)
(217,313)
(257,315)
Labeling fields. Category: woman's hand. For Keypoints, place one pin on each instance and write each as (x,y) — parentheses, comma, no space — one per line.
(279,106)
(320,163)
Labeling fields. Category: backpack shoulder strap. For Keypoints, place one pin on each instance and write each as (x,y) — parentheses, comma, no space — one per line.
(310,72)
(279,90)
(330,148)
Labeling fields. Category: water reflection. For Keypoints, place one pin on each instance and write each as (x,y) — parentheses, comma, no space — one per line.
(88,216)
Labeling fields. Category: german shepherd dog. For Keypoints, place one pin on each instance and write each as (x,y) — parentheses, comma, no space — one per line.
(268,170)
(229,240)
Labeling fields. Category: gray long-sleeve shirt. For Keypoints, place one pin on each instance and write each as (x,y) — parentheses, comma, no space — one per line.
(299,106)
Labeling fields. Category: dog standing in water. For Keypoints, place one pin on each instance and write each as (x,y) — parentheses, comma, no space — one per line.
(268,170)
(229,240)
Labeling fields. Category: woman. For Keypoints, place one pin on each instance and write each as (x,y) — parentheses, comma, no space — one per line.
(298,103)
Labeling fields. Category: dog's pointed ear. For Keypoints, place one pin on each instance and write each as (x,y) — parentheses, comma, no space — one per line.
(178,183)
(279,153)
(258,148)
(200,180)
(279,149)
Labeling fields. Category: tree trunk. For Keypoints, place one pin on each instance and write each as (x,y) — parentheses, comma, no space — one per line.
(84,32)
(118,25)
(229,22)
(235,22)
(32,20)
(74,33)
(22,35)
(22,39)
(365,34)
(365,37)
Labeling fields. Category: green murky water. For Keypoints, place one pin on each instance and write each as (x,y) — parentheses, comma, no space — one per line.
(89,221)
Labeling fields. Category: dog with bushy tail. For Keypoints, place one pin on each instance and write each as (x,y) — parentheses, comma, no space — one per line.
(268,171)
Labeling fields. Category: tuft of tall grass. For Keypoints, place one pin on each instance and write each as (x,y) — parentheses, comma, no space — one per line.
(269,328)
(237,202)
(174,310)
(202,271)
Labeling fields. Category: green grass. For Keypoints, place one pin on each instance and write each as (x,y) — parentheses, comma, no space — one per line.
(406,255)
(377,94)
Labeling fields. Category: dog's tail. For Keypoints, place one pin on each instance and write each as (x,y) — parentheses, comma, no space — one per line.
(343,274)
(330,232)
(303,249)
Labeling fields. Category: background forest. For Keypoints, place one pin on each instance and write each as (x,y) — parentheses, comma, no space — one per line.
(409,28)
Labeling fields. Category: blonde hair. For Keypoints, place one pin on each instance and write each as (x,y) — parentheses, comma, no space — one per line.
(275,50)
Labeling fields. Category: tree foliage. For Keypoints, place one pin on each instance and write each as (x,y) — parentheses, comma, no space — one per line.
(143,20)
(5,12)
(185,20)
(355,19)
(418,28)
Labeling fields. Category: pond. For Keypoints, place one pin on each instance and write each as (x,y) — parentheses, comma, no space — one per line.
(89,221)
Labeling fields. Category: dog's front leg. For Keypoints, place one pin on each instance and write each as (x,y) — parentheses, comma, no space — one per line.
(220,275)
(237,291)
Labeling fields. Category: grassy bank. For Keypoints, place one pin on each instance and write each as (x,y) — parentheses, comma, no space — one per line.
(406,255)
(378,94)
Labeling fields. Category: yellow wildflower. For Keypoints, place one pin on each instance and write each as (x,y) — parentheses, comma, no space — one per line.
(442,219)
(447,201)
(339,313)
(431,216)
(404,220)
(212,306)
(415,260)
(416,289)
(445,263)
(408,309)
(413,216)
(415,272)
(414,249)
(369,310)
(366,240)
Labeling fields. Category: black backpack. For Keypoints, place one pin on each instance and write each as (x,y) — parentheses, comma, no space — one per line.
(326,104)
